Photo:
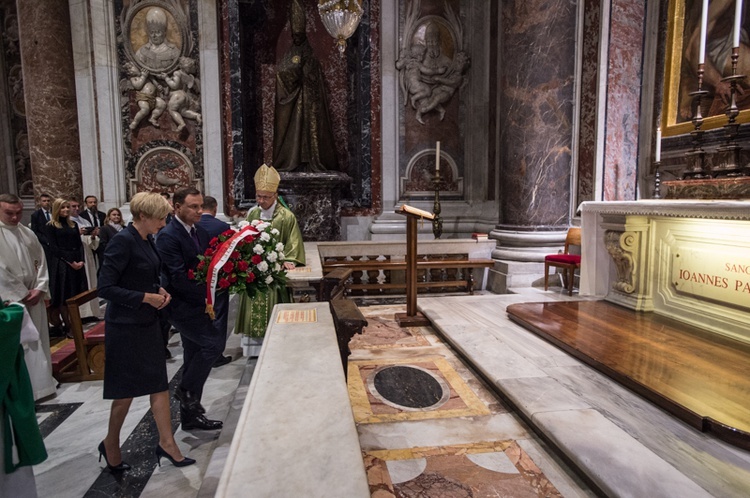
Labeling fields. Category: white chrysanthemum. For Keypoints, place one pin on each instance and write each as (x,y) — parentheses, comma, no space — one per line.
(279,247)
(262,266)
(274,231)
(242,224)
(258,249)
(265,237)
(272,257)
(277,267)
(281,256)
(269,279)
(255,223)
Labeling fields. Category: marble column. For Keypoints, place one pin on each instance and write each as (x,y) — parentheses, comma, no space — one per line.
(50,94)
(537,54)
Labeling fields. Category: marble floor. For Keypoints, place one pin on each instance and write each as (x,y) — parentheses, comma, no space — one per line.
(513,416)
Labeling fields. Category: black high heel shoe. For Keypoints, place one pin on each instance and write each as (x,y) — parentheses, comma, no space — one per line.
(159,452)
(114,468)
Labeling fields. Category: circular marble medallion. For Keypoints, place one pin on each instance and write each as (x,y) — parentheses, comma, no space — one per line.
(408,387)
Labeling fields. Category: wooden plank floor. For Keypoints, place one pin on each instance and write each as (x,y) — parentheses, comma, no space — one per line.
(700,377)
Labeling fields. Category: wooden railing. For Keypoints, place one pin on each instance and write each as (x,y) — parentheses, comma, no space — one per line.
(381,275)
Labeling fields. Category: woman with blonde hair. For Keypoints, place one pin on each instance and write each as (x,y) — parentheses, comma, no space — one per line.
(66,260)
(113,224)
(133,343)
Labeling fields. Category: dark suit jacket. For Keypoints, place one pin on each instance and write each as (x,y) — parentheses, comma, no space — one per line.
(178,255)
(87,216)
(38,221)
(127,273)
(212,225)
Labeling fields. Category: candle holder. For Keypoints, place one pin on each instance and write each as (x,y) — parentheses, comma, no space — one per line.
(657,180)
(696,157)
(437,222)
(732,166)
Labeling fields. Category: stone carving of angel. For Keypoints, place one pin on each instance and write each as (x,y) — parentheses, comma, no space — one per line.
(184,86)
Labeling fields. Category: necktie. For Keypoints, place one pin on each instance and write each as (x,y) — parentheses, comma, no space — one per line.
(46,215)
(194,236)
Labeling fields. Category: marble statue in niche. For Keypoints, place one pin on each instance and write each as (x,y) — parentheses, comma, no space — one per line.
(303,136)
(183,101)
(431,65)
(157,53)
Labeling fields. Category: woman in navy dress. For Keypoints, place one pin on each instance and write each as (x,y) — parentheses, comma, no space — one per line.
(67,274)
(135,363)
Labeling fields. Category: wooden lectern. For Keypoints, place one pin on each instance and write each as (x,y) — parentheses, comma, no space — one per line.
(412,318)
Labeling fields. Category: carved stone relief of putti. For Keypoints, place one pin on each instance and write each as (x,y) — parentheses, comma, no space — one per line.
(431,64)
(159,74)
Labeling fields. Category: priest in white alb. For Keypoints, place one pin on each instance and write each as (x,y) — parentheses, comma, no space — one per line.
(24,279)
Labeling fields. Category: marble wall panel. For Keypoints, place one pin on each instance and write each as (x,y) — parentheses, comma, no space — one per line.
(231,85)
(50,96)
(537,55)
(586,188)
(16,141)
(624,80)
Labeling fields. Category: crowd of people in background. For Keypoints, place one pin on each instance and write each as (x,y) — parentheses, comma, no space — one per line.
(140,269)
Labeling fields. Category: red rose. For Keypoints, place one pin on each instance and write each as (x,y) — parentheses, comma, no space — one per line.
(233,278)
(201,265)
(209,252)
(256,259)
(250,277)
(214,241)
(242,265)
(228,267)
(191,274)
(228,233)
(235,255)
(224,283)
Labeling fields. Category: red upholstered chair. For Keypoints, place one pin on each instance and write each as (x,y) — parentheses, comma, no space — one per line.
(569,263)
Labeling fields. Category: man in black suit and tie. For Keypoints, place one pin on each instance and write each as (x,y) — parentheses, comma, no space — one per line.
(179,245)
(215,227)
(40,217)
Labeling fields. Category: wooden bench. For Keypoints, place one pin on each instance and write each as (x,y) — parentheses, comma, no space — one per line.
(83,358)
(348,321)
(443,273)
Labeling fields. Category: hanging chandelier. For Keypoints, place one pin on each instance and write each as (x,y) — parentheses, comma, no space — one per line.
(341,18)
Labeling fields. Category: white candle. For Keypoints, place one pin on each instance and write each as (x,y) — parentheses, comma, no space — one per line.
(658,145)
(437,157)
(704,22)
(737,19)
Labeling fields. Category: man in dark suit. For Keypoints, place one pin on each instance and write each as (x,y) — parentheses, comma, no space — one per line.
(214,227)
(40,217)
(179,245)
(96,218)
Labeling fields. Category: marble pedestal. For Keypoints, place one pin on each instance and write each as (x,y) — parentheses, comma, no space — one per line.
(314,199)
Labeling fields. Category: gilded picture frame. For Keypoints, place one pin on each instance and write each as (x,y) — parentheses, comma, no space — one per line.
(681,77)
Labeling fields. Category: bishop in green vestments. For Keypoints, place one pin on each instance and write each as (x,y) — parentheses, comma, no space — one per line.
(253,313)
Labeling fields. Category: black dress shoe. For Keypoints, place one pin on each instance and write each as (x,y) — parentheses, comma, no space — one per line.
(189,401)
(222,360)
(192,421)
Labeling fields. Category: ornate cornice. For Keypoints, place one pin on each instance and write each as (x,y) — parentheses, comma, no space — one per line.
(703,209)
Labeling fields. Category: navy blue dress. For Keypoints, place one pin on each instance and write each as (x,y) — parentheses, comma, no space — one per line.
(135,361)
(64,247)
